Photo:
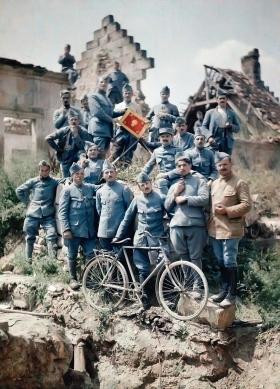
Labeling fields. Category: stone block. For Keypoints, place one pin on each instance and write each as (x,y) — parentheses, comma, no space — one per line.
(107,20)
(116,35)
(92,45)
(129,49)
(144,63)
(213,314)
(99,33)
(138,75)
(113,27)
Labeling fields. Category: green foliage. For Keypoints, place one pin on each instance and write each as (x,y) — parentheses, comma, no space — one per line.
(181,332)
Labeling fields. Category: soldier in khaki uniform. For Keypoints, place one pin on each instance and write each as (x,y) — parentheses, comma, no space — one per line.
(230,201)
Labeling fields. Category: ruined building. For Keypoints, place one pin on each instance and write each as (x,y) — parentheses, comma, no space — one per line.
(256,106)
(29,94)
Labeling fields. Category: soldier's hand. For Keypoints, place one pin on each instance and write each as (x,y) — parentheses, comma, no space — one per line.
(220,209)
(84,162)
(180,187)
(181,199)
(67,234)
(228,126)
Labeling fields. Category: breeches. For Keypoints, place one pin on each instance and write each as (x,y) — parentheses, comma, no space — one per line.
(226,251)
(32,225)
(188,242)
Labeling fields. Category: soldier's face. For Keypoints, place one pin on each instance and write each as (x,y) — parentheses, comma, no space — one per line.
(164,97)
(93,152)
(66,100)
(102,85)
(165,139)
(222,101)
(110,175)
(182,128)
(74,121)
(78,177)
(127,96)
(84,103)
(44,171)
(199,141)
(183,167)
(145,187)
(224,167)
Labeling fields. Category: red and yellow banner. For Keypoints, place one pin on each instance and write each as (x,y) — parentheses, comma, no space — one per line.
(134,123)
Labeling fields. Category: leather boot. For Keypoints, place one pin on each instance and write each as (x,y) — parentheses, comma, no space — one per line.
(145,297)
(29,250)
(196,292)
(52,249)
(224,285)
(73,275)
(231,295)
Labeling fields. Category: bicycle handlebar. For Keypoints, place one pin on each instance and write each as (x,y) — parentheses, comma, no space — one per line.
(121,241)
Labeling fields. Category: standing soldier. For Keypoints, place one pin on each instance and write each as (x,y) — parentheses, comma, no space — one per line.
(112,201)
(163,156)
(123,139)
(148,207)
(92,165)
(230,202)
(39,194)
(117,79)
(102,114)
(68,142)
(61,115)
(219,124)
(186,200)
(86,116)
(162,115)
(183,139)
(76,215)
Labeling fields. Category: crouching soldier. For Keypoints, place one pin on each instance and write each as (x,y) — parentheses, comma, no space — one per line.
(76,215)
(39,194)
(149,209)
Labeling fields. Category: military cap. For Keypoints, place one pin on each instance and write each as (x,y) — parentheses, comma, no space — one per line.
(182,157)
(165,131)
(65,92)
(142,177)
(127,88)
(198,132)
(75,168)
(222,93)
(165,90)
(73,114)
(220,156)
(107,166)
(88,145)
(180,121)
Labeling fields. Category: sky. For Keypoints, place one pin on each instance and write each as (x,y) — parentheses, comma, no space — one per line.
(181,35)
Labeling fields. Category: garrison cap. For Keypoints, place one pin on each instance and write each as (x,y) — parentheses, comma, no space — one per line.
(165,90)
(88,145)
(179,120)
(142,177)
(220,156)
(75,168)
(64,92)
(182,157)
(221,93)
(107,166)
(127,88)
(166,131)
(198,132)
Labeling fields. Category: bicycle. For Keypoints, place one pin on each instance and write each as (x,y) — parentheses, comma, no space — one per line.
(181,287)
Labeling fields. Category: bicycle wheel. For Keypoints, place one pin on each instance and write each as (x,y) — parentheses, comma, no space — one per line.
(104,283)
(183,290)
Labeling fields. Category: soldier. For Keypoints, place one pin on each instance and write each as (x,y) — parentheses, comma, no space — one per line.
(148,207)
(187,199)
(163,156)
(112,201)
(92,165)
(219,124)
(67,61)
(162,115)
(199,121)
(123,139)
(86,116)
(117,79)
(230,202)
(183,139)
(76,215)
(101,122)
(61,115)
(39,194)
(68,142)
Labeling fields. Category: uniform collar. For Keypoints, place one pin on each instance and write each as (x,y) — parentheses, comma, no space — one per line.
(226,179)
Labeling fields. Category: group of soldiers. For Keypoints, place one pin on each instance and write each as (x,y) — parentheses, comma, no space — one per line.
(196,189)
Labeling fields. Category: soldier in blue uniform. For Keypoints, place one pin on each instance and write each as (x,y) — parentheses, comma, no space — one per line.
(117,79)
(102,112)
(163,157)
(112,201)
(162,115)
(68,143)
(219,125)
(198,123)
(148,207)
(186,199)
(39,195)
(93,164)
(67,62)
(183,139)
(62,115)
(86,115)
(76,215)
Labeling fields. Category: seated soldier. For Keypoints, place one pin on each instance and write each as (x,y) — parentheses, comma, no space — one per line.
(148,207)
(163,156)
(183,139)
(67,62)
